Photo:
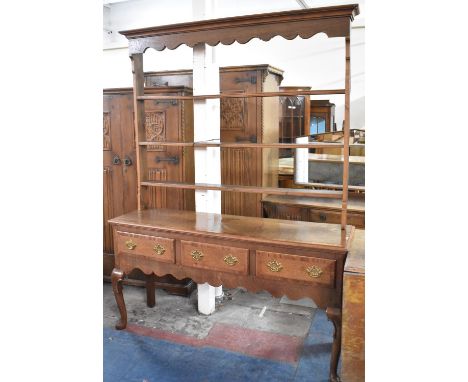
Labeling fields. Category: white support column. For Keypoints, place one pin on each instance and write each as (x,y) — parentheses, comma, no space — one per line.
(206,127)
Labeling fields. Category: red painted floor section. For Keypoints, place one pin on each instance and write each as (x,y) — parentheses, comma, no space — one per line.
(255,343)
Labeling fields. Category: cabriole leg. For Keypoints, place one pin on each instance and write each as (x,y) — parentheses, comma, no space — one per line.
(117,278)
(334,314)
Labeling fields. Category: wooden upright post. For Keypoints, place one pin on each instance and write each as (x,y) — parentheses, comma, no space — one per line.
(206,127)
(344,205)
(139,108)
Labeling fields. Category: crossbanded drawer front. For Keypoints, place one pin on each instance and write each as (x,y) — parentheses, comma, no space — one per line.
(333,217)
(158,248)
(293,267)
(215,257)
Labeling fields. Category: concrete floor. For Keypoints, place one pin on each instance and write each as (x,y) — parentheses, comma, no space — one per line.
(238,307)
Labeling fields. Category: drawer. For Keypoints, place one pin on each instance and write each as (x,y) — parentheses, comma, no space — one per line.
(324,216)
(215,257)
(158,248)
(293,267)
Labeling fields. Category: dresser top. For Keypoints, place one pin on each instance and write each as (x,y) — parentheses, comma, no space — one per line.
(294,233)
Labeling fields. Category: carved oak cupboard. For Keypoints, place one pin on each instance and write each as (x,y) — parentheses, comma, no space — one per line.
(242,120)
(164,121)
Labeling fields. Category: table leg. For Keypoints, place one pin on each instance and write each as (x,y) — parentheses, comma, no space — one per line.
(150,290)
(334,314)
(117,278)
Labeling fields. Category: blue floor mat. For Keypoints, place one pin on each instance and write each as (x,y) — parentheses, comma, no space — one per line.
(133,358)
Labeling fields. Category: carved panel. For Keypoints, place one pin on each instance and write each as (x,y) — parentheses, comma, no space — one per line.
(106,132)
(155,127)
(108,209)
(233,113)
(235,171)
(157,195)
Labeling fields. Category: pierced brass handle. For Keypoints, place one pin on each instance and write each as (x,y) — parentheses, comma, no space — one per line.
(314,271)
(274,266)
(130,244)
(197,255)
(159,249)
(231,260)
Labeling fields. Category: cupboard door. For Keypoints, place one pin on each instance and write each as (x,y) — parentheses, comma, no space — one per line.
(165,163)
(239,124)
(112,176)
(129,168)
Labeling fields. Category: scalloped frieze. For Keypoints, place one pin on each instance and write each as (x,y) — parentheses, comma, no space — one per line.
(322,296)
(334,27)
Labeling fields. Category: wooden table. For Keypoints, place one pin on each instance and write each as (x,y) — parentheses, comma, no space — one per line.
(313,209)
(293,258)
(353,345)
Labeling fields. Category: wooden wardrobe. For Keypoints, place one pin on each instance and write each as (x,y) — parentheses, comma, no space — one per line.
(164,121)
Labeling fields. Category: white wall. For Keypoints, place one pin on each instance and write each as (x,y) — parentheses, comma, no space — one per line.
(317,62)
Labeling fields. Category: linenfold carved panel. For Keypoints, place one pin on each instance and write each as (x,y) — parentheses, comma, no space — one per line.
(155,127)
(157,195)
(106,132)
(233,113)
(236,162)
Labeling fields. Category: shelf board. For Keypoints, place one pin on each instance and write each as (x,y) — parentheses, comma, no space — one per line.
(334,186)
(310,145)
(252,189)
(244,95)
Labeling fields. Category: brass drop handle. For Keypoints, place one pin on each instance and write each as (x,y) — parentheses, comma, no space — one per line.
(159,249)
(314,271)
(231,260)
(197,255)
(130,244)
(274,266)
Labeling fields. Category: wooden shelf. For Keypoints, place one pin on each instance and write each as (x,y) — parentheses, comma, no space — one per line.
(334,186)
(253,189)
(244,145)
(244,95)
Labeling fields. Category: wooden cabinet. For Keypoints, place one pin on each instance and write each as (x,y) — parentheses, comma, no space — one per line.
(164,121)
(242,120)
(294,117)
(119,178)
(322,116)
(313,209)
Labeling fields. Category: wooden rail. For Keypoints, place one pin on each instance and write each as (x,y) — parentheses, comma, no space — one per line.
(243,95)
(244,145)
(252,189)
(330,185)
